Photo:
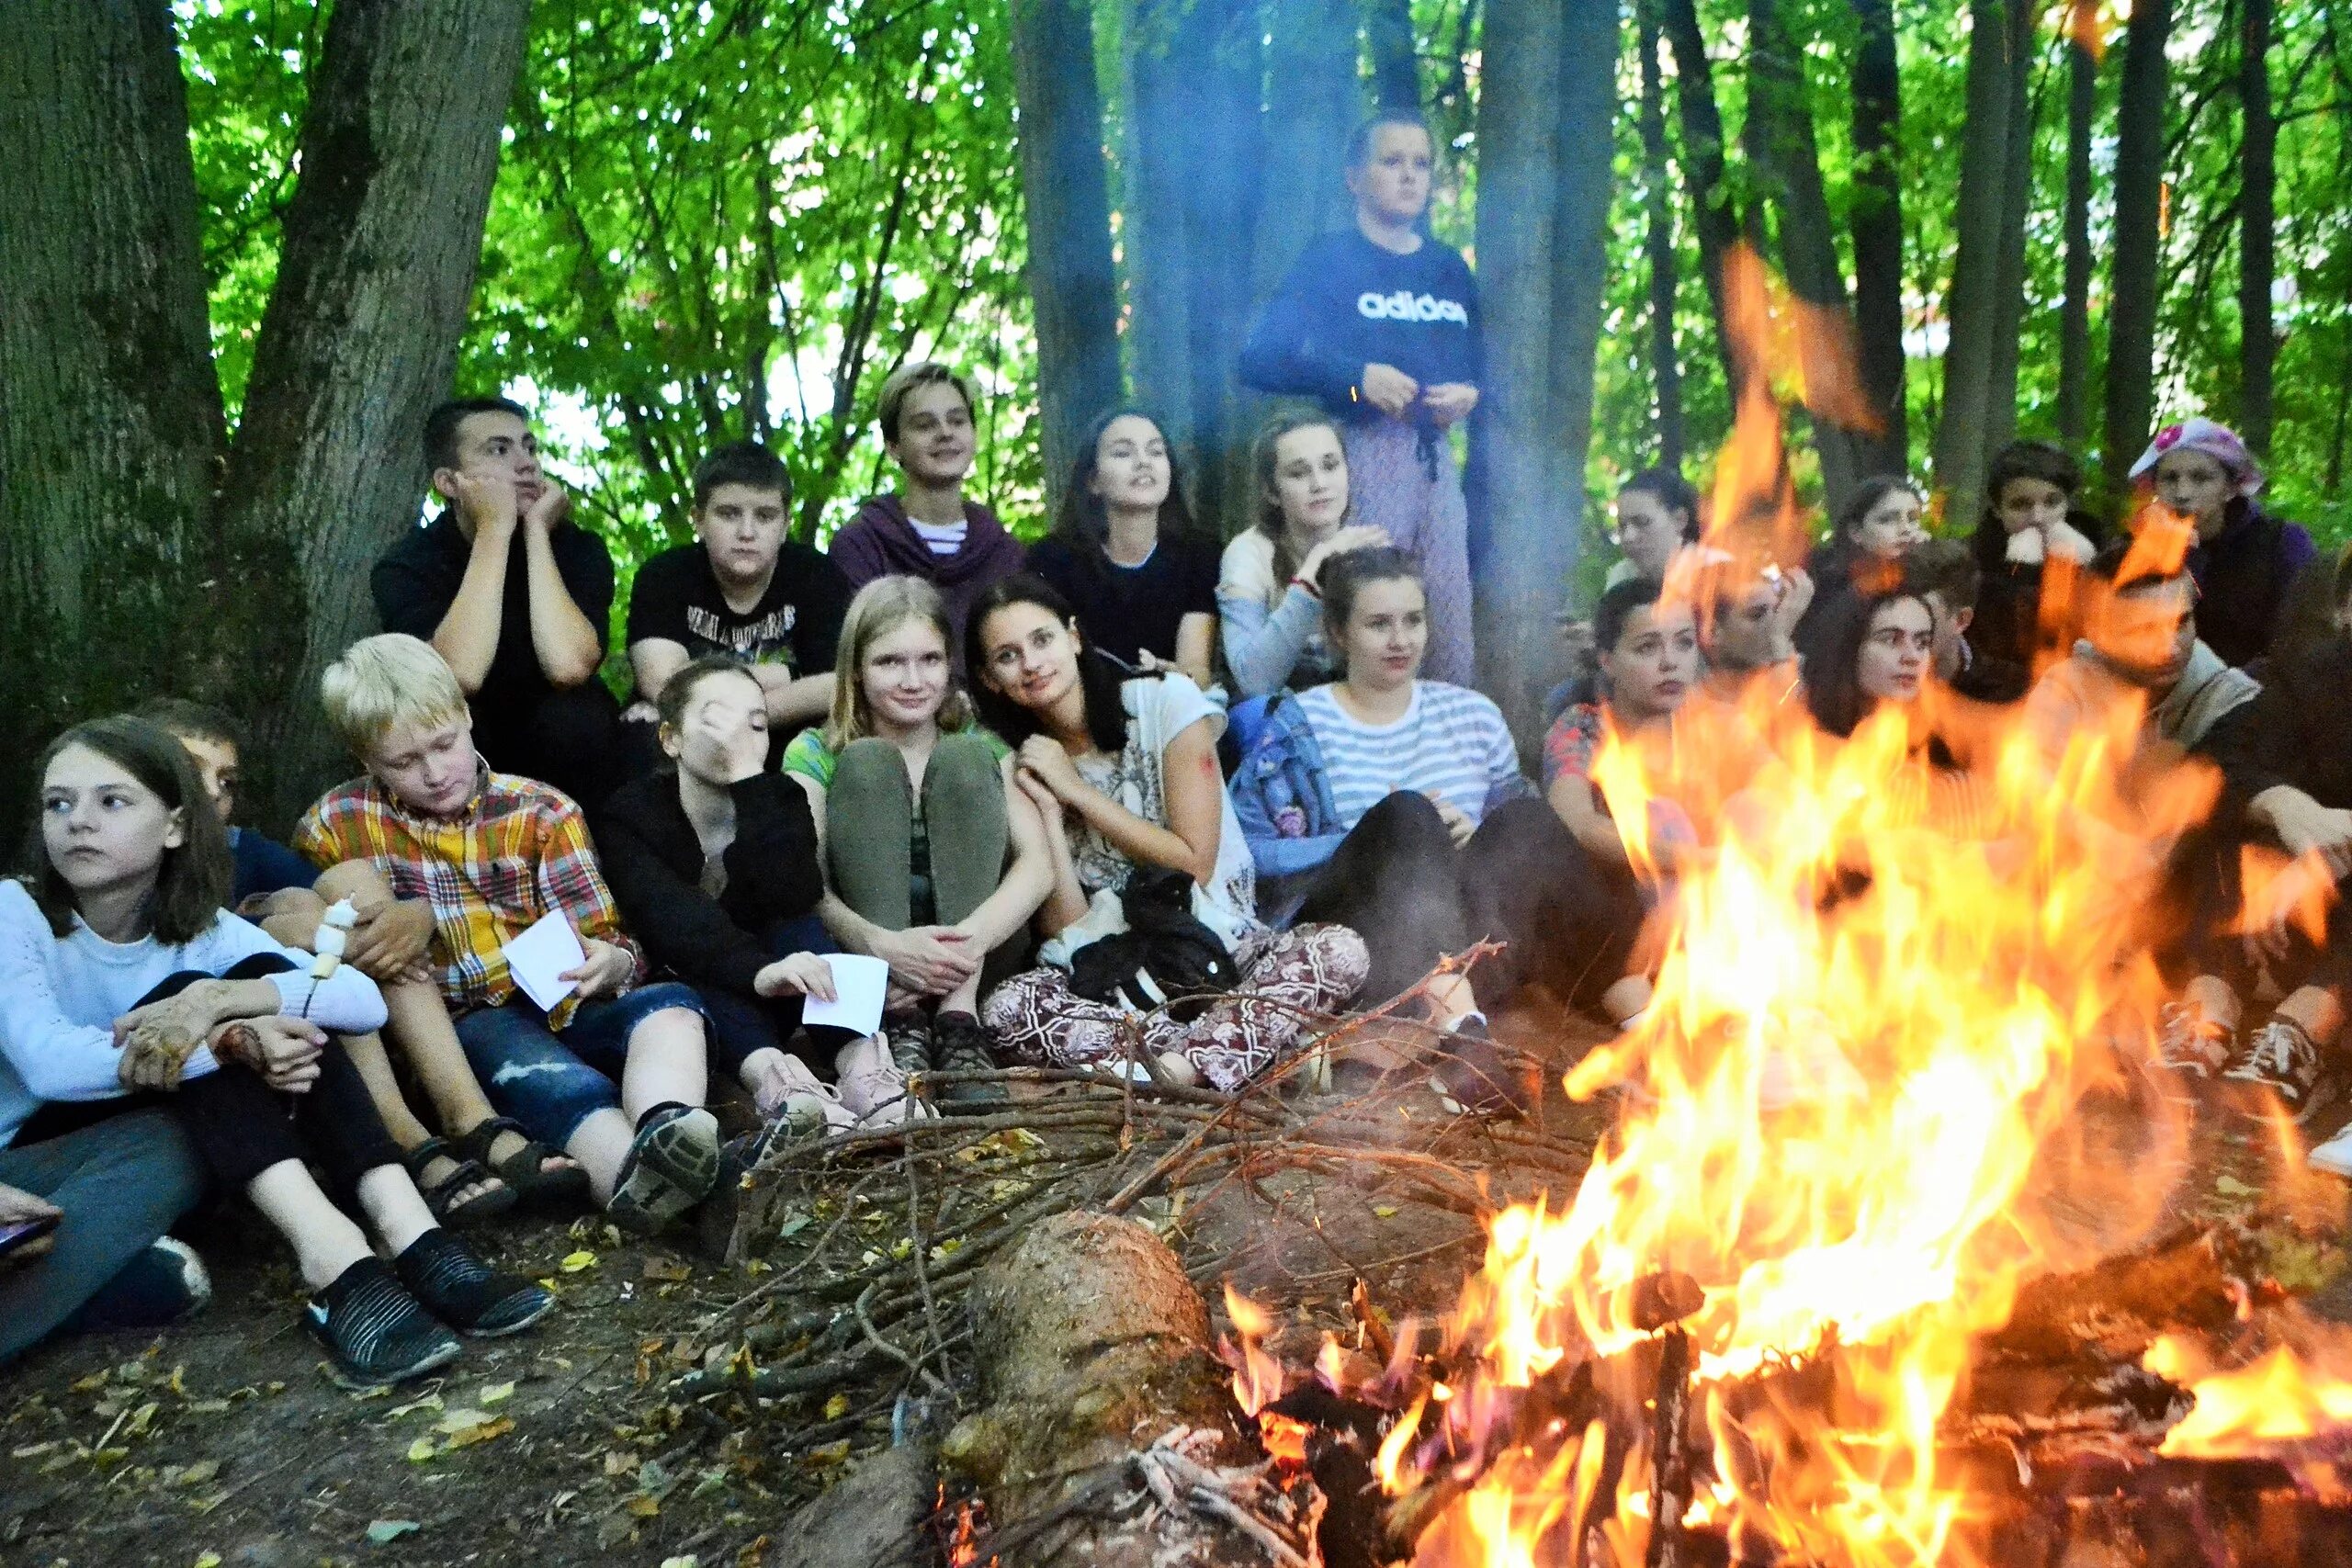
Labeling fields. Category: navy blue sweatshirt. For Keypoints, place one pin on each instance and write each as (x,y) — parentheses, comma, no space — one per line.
(1346,304)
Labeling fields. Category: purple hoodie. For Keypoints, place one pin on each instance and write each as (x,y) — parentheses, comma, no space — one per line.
(880,542)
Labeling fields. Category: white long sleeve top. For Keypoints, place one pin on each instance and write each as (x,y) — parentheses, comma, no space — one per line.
(60,996)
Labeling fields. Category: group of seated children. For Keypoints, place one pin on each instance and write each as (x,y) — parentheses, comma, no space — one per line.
(1000,775)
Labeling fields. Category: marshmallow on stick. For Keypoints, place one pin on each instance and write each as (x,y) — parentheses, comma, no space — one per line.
(334,929)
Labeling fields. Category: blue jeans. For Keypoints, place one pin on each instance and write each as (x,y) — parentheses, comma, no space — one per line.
(741,1025)
(121,1183)
(551,1081)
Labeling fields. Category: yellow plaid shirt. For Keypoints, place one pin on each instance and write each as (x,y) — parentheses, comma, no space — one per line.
(518,850)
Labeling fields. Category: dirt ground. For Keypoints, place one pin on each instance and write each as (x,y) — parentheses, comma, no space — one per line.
(222,1444)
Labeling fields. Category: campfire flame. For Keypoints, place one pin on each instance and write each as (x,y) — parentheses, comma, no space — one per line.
(1846,1111)
(2279,1399)
(1260,1378)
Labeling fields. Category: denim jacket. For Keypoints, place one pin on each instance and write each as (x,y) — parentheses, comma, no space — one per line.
(1282,794)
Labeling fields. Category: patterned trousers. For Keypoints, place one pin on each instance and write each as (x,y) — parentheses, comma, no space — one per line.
(1426,519)
(1037,1018)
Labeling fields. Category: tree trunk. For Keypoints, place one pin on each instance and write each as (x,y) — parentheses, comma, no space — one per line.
(1972,312)
(1529,664)
(1714,216)
(1877,225)
(1072,281)
(1665,363)
(2138,246)
(1781,122)
(2258,344)
(1529,526)
(1313,100)
(1195,69)
(399,149)
(1396,61)
(110,416)
(2075,310)
(2009,285)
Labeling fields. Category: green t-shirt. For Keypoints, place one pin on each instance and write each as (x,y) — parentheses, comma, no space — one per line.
(808,756)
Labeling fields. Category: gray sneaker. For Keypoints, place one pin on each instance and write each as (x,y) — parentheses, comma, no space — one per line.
(672,1163)
(2279,1066)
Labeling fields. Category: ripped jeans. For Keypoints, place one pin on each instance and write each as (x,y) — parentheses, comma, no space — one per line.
(551,1081)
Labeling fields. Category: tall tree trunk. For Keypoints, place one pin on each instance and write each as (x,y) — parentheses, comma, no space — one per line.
(1878,235)
(1396,61)
(2138,246)
(1591,42)
(2258,344)
(1972,311)
(2075,310)
(1314,98)
(1073,284)
(1196,69)
(2016,198)
(110,416)
(1519,564)
(1665,364)
(1780,126)
(399,149)
(1713,217)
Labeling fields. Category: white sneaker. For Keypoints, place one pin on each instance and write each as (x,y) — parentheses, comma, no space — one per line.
(2335,1157)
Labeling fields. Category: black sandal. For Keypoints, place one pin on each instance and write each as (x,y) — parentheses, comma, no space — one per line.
(525,1171)
(441,1196)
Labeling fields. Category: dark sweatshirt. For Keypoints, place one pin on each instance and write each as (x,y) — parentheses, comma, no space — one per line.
(880,542)
(2242,576)
(653,864)
(1346,303)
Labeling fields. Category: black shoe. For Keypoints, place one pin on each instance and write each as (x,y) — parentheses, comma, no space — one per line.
(1475,1073)
(2279,1065)
(672,1163)
(962,1043)
(374,1331)
(165,1283)
(909,1041)
(463,1291)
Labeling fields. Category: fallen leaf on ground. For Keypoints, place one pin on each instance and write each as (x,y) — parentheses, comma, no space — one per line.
(207,1560)
(422,1449)
(667,1270)
(383,1532)
(573,1262)
(497,1393)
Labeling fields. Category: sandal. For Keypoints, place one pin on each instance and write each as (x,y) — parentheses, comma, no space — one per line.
(445,1197)
(526,1170)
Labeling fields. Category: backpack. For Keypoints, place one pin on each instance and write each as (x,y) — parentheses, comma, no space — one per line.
(1164,951)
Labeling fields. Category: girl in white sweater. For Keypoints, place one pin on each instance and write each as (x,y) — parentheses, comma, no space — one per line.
(123,980)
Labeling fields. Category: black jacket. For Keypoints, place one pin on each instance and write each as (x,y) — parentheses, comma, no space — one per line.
(2295,732)
(653,862)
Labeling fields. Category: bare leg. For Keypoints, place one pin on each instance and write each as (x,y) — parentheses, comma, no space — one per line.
(2317,1011)
(667,1061)
(397,1209)
(601,1145)
(2210,997)
(324,1239)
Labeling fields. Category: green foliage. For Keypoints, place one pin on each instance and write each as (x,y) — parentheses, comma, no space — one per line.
(719,221)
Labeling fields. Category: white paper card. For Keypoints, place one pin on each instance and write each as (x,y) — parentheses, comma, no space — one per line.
(540,955)
(859,984)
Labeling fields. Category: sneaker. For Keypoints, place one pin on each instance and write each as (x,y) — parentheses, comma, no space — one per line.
(374,1331)
(876,1089)
(909,1041)
(962,1043)
(164,1284)
(2334,1157)
(463,1291)
(2189,1044)
(2279,1063)
(672,1163)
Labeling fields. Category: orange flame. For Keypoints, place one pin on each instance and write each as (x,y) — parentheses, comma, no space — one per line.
(1853,1121)
(1257,1377)
(2268,1409)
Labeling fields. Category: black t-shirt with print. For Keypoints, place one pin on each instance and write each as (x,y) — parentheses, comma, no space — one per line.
(796,623)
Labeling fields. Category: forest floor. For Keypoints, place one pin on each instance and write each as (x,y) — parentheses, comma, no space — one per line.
(221,1444)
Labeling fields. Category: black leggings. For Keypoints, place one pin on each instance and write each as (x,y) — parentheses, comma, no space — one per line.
(240,1125)
(1398,882)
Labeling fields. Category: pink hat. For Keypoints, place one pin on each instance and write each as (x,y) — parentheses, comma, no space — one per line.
(2217,441)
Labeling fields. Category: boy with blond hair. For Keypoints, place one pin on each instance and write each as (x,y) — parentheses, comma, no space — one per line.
(489,855)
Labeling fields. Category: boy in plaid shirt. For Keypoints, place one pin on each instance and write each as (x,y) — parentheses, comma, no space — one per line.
(489,855)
